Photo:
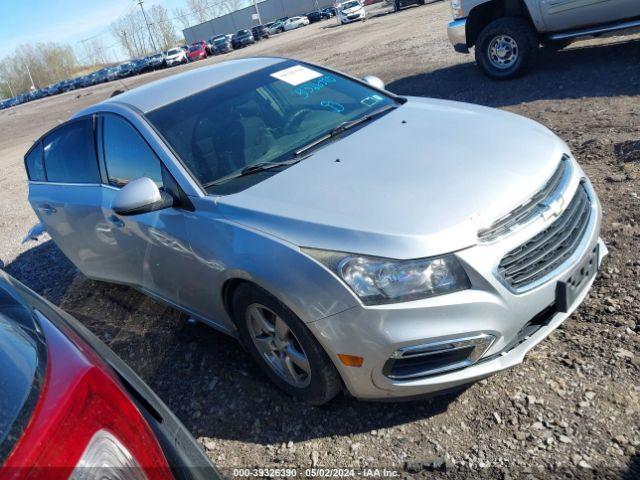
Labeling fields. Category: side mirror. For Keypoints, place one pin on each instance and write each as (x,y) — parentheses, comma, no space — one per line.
(140,196)
(374,81)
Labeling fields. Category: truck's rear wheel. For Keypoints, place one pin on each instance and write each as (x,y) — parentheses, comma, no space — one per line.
(506,47)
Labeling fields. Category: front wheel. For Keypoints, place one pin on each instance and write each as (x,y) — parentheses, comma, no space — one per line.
(283,346)
(506,47)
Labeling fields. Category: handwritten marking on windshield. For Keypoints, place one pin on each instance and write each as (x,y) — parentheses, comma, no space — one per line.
(334,106)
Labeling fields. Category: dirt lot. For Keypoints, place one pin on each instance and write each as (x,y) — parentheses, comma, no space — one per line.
(572,409)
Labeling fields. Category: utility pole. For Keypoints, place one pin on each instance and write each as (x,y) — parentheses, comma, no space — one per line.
(10,89)
(317,6)
(153,44)
(255,4)
(33,86)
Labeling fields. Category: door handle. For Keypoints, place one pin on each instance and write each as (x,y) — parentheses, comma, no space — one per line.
(116,221)
(46,208)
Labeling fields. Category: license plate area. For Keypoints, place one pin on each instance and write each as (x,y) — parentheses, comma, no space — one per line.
(568,290)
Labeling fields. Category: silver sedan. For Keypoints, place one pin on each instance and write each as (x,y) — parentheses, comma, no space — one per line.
(352,239)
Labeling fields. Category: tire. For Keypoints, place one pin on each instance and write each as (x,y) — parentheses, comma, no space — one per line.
(322,382)
(422,2)
(519,42)
(396,6)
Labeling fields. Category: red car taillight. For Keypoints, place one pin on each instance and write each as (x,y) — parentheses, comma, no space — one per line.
(85,425)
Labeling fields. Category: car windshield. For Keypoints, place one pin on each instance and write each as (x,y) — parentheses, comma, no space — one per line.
(265,116)
(219,40)
(156,56)
(350,4)
(194,48)
(175,51)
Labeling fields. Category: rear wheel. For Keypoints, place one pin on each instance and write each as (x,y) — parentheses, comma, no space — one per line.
(283,347)
(506,47)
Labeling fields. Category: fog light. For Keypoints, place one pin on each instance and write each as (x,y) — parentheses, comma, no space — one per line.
(423,360)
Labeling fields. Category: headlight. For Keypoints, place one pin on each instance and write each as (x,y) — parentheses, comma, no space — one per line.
(380,280)
(456,8)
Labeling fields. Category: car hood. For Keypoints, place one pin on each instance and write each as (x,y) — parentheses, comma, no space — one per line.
(352,9)
(419,181)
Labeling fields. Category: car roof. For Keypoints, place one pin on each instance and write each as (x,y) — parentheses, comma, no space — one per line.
(168,90)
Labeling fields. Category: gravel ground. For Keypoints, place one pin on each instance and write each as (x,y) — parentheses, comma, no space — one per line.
(571,410)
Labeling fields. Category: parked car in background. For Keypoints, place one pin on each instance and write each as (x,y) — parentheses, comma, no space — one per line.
(330,11)
(197,51)
(400,4)
(242,38)
(176,56)
(5,103)
(112,73)
(140,65)
(317,16)
(295,22)
(275,27)
(507,36)
(65,86)
(351,11)
(76,83)
(73,409)
(259,32)
(156,61)
(222,44)
(225,200)
(127,69)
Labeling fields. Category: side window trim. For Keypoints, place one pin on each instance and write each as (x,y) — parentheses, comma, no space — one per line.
(40,141)
(183,199)
(36,144)
(103,149)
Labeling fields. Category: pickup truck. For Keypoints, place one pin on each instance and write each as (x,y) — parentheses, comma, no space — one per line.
(506,34)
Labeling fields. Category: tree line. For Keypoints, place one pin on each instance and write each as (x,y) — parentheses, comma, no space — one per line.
(51,62)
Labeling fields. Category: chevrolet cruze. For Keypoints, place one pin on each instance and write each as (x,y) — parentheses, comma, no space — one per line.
(350,238)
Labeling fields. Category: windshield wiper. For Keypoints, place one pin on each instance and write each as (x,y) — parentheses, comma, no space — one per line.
(251,169)
(344,126)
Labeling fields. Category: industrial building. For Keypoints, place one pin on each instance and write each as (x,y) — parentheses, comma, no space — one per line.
(245,18)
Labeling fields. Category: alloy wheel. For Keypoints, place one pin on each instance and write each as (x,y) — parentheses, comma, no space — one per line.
(278,345)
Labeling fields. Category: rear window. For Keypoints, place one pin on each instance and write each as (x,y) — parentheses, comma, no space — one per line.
(34,163)
(69,154)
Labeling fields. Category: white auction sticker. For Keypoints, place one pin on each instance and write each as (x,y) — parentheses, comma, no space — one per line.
(296,75)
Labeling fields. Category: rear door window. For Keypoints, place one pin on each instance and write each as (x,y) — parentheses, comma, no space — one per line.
(69,154)
(35,164)
(127,155)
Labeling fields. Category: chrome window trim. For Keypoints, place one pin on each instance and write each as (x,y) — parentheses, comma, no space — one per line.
(63,184)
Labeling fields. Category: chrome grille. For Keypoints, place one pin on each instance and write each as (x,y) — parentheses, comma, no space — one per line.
(545,252)
(529,209)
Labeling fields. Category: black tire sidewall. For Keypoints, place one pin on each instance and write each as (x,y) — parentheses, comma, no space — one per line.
(325,381)
(524,35)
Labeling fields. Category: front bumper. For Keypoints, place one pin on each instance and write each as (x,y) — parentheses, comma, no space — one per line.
(490,308)
(353,17)
(457,32)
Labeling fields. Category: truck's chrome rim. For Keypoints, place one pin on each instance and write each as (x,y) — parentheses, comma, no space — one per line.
(503,51)
(278,345)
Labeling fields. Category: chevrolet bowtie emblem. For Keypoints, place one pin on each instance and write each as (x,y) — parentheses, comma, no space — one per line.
(553,209)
